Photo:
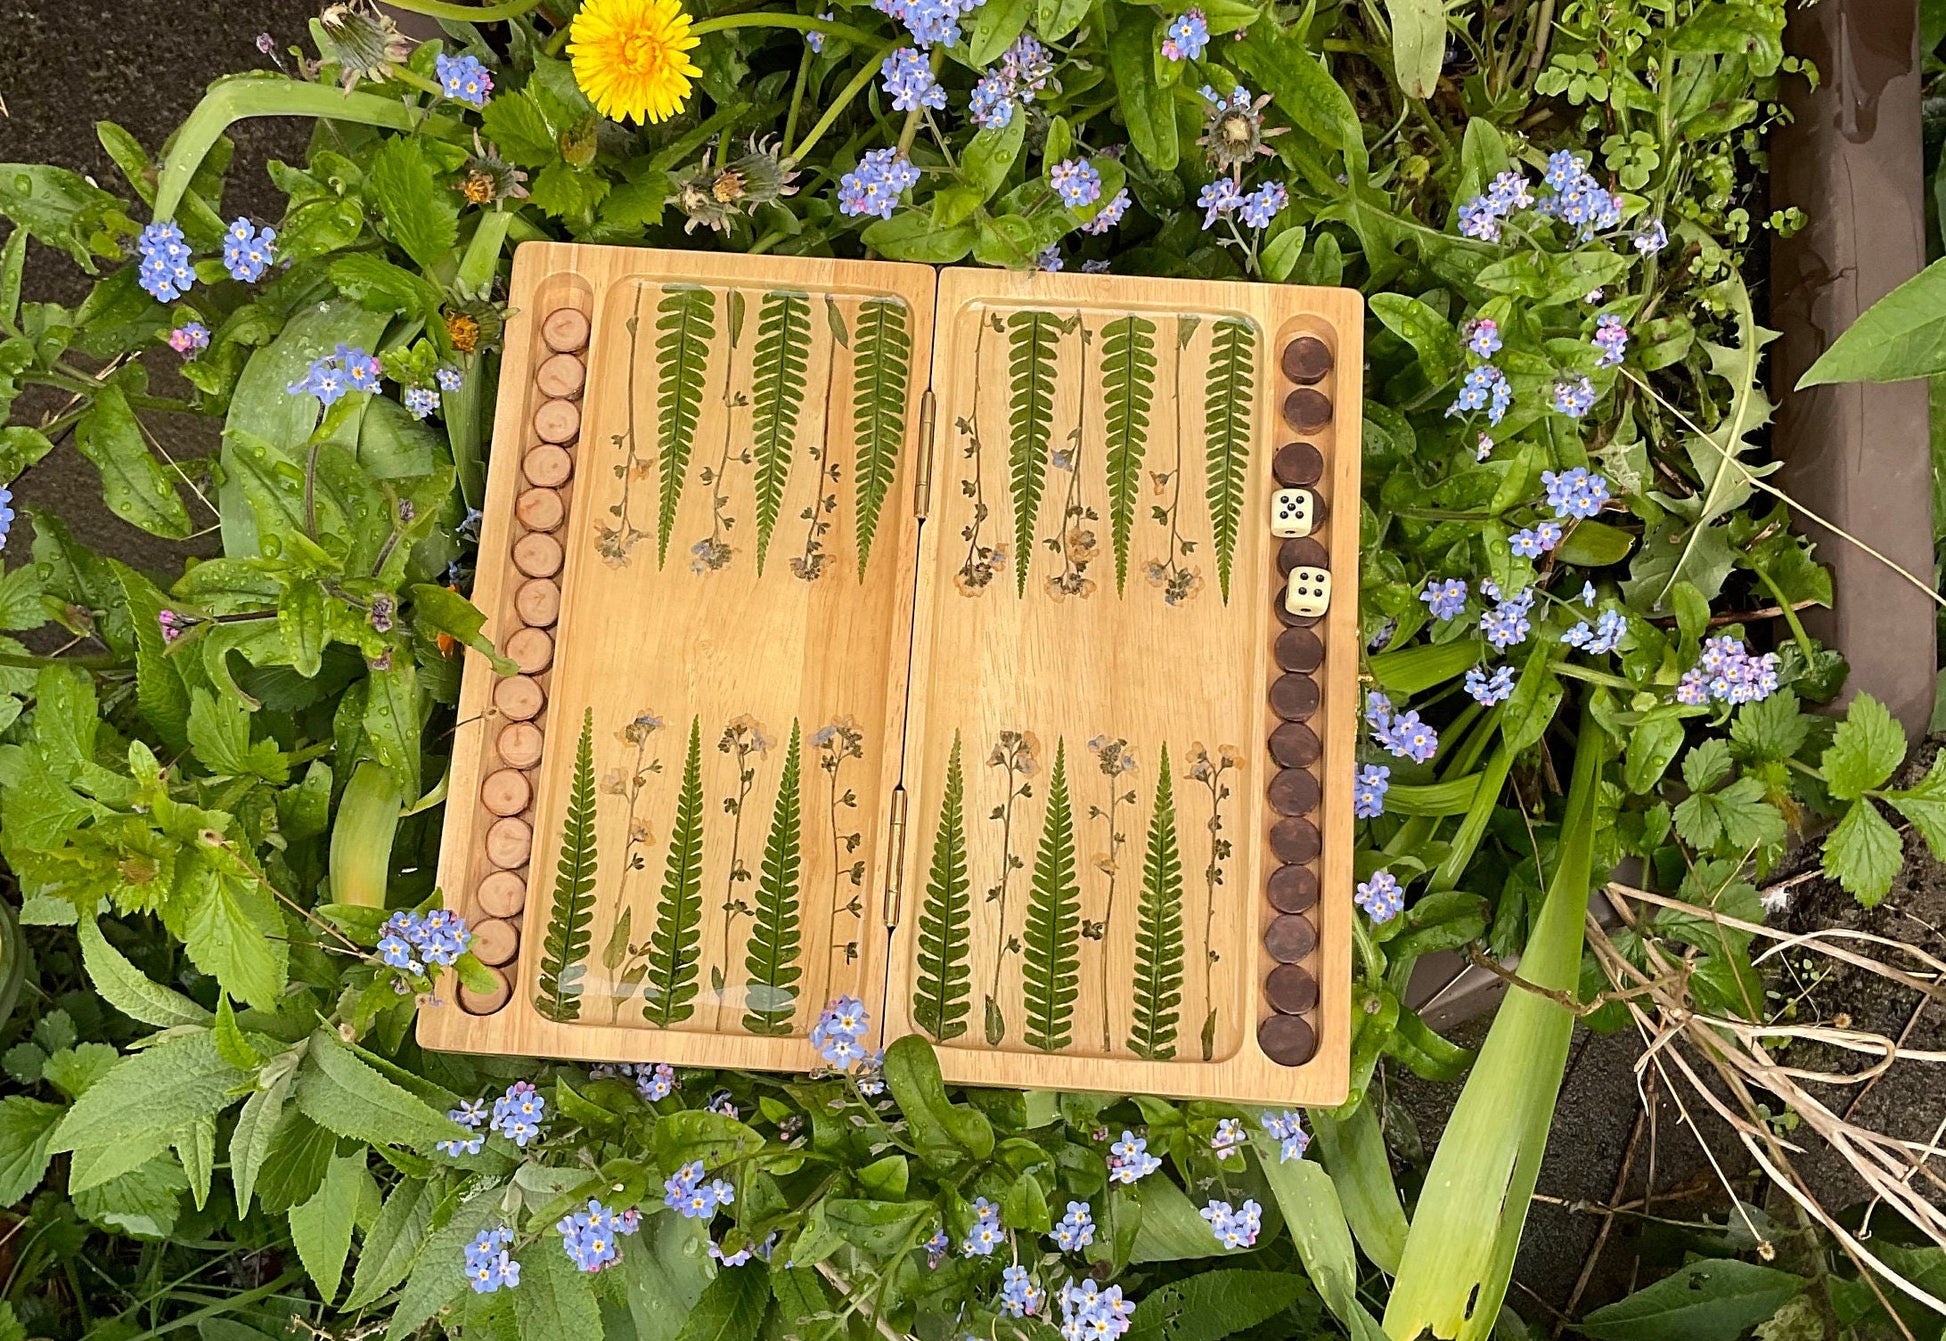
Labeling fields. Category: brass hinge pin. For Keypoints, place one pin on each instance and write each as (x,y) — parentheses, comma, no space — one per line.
(895,859)
(922,475)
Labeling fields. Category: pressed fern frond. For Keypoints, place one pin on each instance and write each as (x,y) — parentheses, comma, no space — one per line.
(939,993)
(1051,939)
(881,369)
(1158,932)
(778,368)
(686,318)
(770,957)
(1033,342)
(1128,389)
(565,944)
(1226,410)
(675,946)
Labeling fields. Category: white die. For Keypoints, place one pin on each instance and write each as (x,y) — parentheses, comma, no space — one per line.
(1309,591)
(1293,512)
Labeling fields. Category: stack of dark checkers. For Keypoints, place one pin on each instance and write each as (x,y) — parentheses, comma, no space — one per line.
(1288,1034)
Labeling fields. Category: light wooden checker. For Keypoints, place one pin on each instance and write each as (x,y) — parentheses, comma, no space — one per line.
(609,630)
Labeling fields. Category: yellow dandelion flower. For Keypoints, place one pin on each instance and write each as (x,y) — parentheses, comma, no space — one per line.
(631,57)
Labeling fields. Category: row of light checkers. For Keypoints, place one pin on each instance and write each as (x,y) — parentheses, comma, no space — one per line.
(1287,1034)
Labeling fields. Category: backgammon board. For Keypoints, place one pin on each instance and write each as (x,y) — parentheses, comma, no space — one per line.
(962,641)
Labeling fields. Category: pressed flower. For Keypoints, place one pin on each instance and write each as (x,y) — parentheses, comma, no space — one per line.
(631,57)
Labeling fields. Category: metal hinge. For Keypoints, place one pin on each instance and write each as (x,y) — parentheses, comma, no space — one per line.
(922,474)
(895,859)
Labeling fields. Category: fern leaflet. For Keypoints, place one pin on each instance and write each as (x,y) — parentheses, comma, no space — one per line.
(1158,932)
(1033,339)
(1128,389)
(1226,406)
(881,366)
(939,996)
(687,322)
(675,946)
(778,368)
(1051,939)
(770,958)
(564,949)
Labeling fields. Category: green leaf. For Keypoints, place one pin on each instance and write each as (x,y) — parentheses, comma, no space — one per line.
(701,1134)
(321,1227)
(990,156)
(377,285)
(57,208)
(881,372)
(236,934)
(1864,750)
(257,1125)
(686,324)
(1034,340)
(995,26)
(392,720)
(1925,806)
(556,1299)
(1410,670)
(1418,44)
(1214,1305)
(219,732)
(1901,335)
(394,1241)
(564,947)
(770,955)
(1158,931)
(130,990)
(419,213)
(1127,390)
(26,1128)
(911,235)
(519,129)
(1702,1301)
(341,1092)
(1771,729)
(1353,1152)
(783,355)
(1863,853)
(941,981)
(1226,433)
(133,483)
(675,946)
(13,261)
(1051,958)
(1172,1229)
(432,1283)
(1300,85)
(1593,544)
(1148,110)
(1738,817)
(943,1132)
(131,1114)
(1055,19)
(143,1203)
(731,1308)
(1432,337)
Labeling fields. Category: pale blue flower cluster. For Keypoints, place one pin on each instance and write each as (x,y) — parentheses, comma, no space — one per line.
(411,941)
(987,1232)
(463,79)
(908,78)
(1506,624)
(1024,70)
(336,375)
(745,1253)
(165,273)
(420,401)
(1610,340)
(1650,238)
(1235,1228)
(1506,195)
(247,251)
(518,1113)
(689,1196)
(1379,896)
(838,1030)
(1019,1296)
(1228,1137)
(875,185)
(1577,199)
(1403,734)
(653,1080)
(1186,36)
(589,1236)
(189,339)
(472,1115)
(1445,599)
(929,21)
(1488,690)
(1575,493)
(1287,1129)
(1604,636)
(489,1266)
(1129,1159)
(1256,208)
(1368,791)
(1535,540)
(1076,1229)
(448,377)
(1574,397)
(1484,387)
(1482,337)
(1727,673)
(1090,1313)
(1076,181)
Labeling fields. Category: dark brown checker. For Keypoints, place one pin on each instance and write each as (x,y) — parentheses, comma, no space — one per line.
(1299,650)
(1307,359)
(1293,889)
(1295,745)
(1287,1040)
(1291,990)
(1302,552)
(1307,410)
(1290,937)
(1297,465)
(1295,840)
(1294,697)
(1295,791)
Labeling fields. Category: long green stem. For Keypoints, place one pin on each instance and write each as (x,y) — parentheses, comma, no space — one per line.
(800,22)
(865,75)
(440,9)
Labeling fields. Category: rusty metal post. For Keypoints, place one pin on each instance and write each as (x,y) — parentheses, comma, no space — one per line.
(1852,160)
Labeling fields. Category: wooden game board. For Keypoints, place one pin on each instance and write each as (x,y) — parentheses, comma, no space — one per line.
(919,636)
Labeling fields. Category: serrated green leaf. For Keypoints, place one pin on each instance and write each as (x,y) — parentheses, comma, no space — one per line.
(770,955)
(130,990)
(419,214)
(321,1226)
(1214,1305)
(942,981)
(1862,853)
(342,1093)
(731,1308)
(1033,340)
(675,946)
(1158,931)
(1924,804)
(134,484)
(143,1203)
(1051,937)
(778,369)
(1771,729)
(1226,434)
(130,1115)
(1702,1301)
(1127,390)
(570,922)
(256,1130)
(1864,749)
(26,1129)
(686,325)
(236,934)
(394,1242)
(881,371)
